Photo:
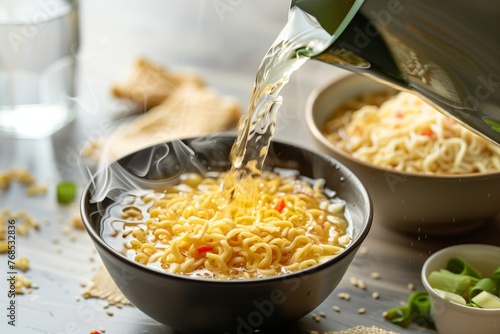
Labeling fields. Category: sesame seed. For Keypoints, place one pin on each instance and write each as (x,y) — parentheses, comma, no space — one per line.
(375,275)
(361,310)
(375,295)
(336,308)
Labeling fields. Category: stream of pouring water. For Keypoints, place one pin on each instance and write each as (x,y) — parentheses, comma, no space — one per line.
(301,37)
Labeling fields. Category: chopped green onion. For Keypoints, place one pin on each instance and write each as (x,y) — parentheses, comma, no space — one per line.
(462,283)
(399,315)
(496,276)
(459,266)
(485,284)
(487,300)
(418,310)
(448,281)
(452,297)
(66,192)
(471,304)
(420,306)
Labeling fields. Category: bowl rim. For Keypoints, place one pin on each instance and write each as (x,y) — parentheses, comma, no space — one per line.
(462,308)
(318,135)
(353,246)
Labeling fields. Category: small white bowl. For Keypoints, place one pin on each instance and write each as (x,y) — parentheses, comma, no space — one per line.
(450,317)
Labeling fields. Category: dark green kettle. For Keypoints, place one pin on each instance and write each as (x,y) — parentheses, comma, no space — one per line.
(446,51)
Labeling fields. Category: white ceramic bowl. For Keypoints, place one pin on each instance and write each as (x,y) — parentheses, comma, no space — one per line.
(450,317)
(410,202)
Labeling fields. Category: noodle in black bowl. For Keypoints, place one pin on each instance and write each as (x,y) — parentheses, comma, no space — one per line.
(198,304)
(446,202)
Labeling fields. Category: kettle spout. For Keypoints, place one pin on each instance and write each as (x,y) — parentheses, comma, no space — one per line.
(332,15)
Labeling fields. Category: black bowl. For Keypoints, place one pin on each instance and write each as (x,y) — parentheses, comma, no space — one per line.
(196,305)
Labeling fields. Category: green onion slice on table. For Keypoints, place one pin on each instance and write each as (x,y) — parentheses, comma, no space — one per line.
(66,192)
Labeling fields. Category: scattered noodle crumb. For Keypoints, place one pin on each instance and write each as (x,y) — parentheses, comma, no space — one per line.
(21,282)
(77,223)
(5,179)
(22,264)
(23,175)
(36,189)
(24,223)
(4,247)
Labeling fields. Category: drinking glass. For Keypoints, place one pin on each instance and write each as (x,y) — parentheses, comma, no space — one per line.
(39,41)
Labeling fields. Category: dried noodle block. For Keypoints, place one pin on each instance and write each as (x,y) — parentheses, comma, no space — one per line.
(190,111)
(103,287)
(150,84)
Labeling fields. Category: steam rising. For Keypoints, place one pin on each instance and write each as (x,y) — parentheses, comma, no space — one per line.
(155,167)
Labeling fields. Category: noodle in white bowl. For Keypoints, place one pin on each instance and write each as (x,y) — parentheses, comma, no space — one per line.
(407,134)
